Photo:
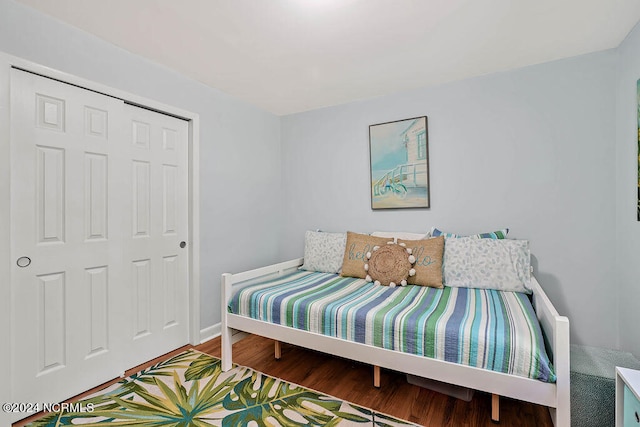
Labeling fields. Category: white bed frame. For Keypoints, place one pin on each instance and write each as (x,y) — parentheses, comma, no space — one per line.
(555,327)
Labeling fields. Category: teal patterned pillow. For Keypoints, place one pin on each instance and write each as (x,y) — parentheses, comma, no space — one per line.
(323,252)
(500,234)
(502,264)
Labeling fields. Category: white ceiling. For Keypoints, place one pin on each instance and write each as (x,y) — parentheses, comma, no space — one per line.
(288,56)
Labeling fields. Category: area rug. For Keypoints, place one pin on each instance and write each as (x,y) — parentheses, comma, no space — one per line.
(190,389)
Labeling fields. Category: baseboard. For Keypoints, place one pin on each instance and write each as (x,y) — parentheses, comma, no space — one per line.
(210,332)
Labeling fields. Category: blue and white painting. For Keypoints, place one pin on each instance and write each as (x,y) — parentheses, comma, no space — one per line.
(399,164)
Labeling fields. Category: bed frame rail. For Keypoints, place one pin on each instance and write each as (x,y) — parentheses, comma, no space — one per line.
(556,329)
(239,279)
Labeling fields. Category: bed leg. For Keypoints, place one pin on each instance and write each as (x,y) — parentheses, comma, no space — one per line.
(227,343)
(227,349)
(495,408)
(376,376)
(278,349)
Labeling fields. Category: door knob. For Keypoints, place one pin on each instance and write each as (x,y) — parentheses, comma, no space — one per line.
(183,244)
(23,261)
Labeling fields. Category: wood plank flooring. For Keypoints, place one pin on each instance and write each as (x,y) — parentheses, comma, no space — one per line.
(353,381)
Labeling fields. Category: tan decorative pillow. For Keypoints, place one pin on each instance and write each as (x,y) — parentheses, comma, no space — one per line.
(428,266)
(389,265)
(355,253)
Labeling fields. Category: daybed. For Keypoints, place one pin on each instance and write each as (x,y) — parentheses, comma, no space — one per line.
(381,329)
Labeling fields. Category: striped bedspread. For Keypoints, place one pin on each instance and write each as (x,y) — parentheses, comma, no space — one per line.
(487,329)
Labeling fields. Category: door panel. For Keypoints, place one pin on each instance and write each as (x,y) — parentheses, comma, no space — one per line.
(50,192)
(64,141)
(156,225)
(96,199)
(51,330)
(97,281)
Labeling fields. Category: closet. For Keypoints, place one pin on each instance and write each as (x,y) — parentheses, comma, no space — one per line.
(99,233)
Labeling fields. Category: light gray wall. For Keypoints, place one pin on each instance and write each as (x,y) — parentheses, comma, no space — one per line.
(531,149)
(627,226)
(239,146)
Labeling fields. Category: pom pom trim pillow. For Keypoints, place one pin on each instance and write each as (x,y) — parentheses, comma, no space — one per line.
(323,252)
(428,254)
(499,264)
(355,253)
(389,265)
(500,234)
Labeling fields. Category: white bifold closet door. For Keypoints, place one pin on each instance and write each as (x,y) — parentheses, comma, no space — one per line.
(99,195)
(154,251)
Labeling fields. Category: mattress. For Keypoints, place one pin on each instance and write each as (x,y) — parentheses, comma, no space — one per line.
(484,328)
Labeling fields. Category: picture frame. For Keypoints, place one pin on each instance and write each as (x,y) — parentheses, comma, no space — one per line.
(399,164)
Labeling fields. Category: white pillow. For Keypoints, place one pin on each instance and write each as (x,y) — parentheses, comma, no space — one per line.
(502,264)
(323,252)
(395,235)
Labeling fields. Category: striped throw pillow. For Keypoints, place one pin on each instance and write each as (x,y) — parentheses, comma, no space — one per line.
(500,234)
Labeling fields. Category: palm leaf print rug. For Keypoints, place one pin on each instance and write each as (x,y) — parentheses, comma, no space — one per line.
(190,389)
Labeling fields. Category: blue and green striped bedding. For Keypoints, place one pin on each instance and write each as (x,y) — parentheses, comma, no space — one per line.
(488,329)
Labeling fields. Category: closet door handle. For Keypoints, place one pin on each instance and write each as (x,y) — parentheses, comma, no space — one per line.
(183,244)
(23,261)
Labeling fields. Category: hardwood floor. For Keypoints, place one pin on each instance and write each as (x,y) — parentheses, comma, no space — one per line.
(353,381)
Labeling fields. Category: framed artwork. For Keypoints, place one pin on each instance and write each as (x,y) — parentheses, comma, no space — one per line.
(399,153)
